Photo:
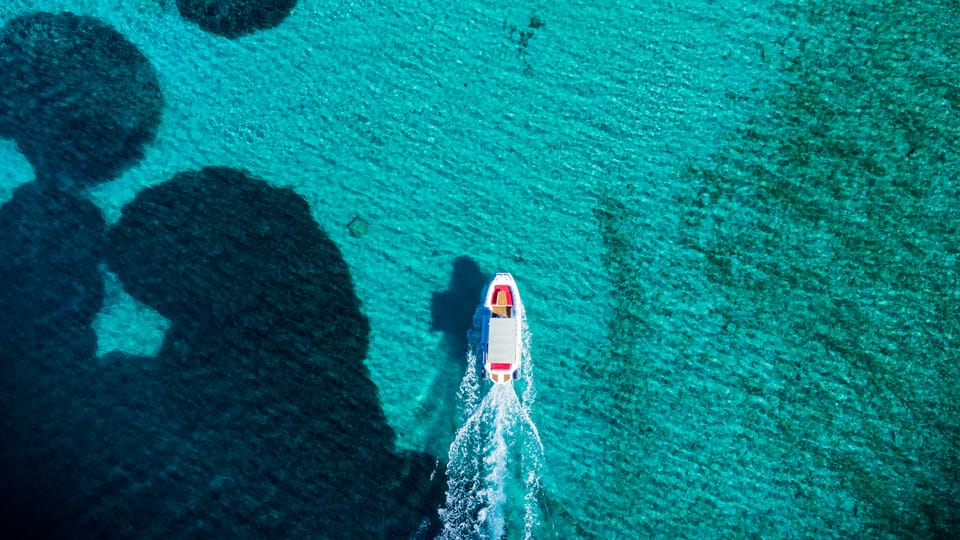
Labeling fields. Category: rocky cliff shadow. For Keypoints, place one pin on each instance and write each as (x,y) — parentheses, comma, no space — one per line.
(263,367)
(235,18)
(81,101)
(50,292)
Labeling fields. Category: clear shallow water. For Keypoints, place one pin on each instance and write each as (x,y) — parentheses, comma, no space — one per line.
(734,229)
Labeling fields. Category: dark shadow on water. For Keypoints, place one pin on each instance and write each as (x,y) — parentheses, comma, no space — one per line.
(451,311)
(263,367)
(80,100)
(50,292)
(257,419)
(235,18)
(50,288)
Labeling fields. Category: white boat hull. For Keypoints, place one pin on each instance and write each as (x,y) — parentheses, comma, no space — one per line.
(501,321)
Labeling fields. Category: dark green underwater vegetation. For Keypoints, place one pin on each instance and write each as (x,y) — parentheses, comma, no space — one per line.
(826,237)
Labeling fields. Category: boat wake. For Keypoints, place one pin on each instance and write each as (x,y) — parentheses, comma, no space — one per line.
(495,460)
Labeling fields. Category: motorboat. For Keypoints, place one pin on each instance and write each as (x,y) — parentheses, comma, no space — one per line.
(500,319)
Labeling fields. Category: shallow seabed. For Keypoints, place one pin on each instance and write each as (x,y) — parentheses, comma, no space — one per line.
(735,227)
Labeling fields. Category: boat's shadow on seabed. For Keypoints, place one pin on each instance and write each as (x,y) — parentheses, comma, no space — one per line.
(452,313)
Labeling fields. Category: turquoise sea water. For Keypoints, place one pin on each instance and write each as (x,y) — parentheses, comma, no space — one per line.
(734,226)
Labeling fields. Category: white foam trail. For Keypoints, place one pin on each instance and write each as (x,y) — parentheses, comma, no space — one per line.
(533,469)
(464,462)
(495,460)
(493,495)
(469,393)
(526,364)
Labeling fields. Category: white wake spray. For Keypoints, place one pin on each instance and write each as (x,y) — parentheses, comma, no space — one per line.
(495,460)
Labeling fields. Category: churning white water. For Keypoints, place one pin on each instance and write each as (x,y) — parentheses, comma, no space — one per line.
(495,460)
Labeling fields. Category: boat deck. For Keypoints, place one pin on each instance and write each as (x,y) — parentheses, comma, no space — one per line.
(502,343)
(501,306)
